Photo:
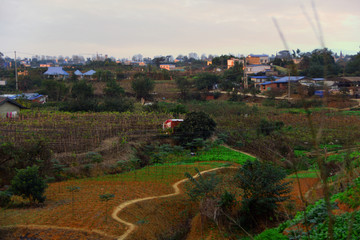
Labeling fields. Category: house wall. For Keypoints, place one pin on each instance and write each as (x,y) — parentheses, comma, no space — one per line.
(8,107)
(256,69)
(252,60)
(282,86)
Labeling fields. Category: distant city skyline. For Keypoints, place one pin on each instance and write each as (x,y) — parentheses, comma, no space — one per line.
(122,28)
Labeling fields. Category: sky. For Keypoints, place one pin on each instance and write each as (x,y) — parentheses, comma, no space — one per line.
(123,28)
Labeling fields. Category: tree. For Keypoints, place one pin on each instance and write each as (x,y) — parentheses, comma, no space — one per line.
(195,125)
(82,91)
(105,198)
(206,81)
(113,89)
(184,86)
(73,190)
(142,85)
(264,187)
(28,183)
(54,89)
(353,66)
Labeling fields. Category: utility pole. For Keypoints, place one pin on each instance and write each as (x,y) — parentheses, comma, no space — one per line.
(16,76)
(245,77)
(289,85)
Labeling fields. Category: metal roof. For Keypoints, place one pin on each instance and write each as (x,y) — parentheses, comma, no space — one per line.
(259,55)
(78,73)
(89,73)
(28,96)
(55,71)
(4,100)
(285,80)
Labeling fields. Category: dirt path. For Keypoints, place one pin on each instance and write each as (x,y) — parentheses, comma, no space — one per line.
(117,210)
(177,191)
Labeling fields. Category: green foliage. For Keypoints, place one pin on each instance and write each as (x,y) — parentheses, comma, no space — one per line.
(32,152)
(28,184)
(94,157)
(113,90)
(267,127)
(271,234)
(353,66)
(54,89)
(106,197)
(82,91)
(142,86)
(5,198)
(184,85)
(195,125)
(320,63)
(201,187)
(264,187)
(205,81)
(117,105)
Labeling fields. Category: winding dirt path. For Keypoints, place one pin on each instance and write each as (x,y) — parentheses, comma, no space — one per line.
(177,191)
(117,210)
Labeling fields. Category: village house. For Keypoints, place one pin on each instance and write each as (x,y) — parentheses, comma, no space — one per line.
(281,84)
(261,79)
(56,72)
(167,66)
(32,97)
(9,108)
(257,59)
(232,61)
(254,69)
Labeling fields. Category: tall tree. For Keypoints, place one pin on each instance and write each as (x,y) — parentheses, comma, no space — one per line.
(142,85)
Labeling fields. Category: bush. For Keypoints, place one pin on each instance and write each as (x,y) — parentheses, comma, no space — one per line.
(271,234)
(264,187)
(142,86)
(195,125)
(5,198)
(267,127)
(28,184)
(117,105)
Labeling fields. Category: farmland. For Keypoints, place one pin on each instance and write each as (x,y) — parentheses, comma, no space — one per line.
(89,211)
(155,162)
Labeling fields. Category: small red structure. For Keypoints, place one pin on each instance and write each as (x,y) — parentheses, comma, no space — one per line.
(171,123)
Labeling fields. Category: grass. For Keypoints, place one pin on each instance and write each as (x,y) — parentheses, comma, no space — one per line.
(217,153)
(306,174)
(222,153)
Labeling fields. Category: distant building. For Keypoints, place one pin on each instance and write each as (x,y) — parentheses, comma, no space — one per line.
(33,97)
(281,84)
(232,61)
(23,73)
(167,66)
(9,108)
(257,68)
(56,72)
(261,79)
(46,65)
(171,123)
(253,59)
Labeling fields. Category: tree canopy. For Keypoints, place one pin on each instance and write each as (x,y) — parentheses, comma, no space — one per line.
(142,85)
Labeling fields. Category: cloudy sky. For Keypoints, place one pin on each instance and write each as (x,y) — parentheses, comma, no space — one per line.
(122,28)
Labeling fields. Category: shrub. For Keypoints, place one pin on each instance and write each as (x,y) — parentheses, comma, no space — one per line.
(5,198)
(271,234)
(28,184)
(195,125)
(267,127)
(264,187)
